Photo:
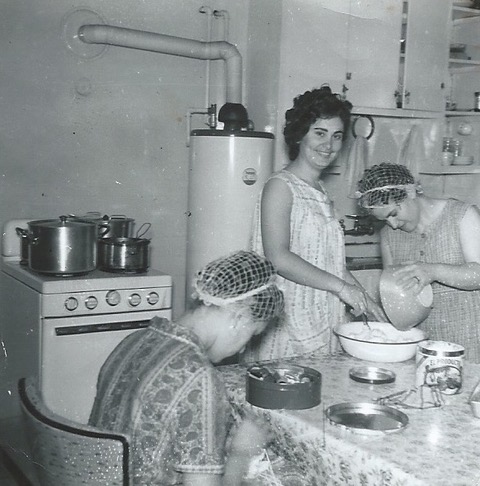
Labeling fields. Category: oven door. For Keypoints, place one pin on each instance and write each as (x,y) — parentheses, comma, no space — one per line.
(72,352)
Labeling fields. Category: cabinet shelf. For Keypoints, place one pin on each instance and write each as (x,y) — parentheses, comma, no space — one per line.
(464,14)
(453,170)
(396,112)
(463,65)
(462,113)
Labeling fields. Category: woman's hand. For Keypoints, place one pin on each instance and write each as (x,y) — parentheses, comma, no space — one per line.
(414,276)
(251,437)
(355,297)
(374,310)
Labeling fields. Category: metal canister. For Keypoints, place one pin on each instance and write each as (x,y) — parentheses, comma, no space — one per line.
(440,365)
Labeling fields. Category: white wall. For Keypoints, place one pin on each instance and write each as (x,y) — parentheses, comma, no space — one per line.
(105,134)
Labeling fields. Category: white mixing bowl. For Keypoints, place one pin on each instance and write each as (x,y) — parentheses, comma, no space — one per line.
(382,343)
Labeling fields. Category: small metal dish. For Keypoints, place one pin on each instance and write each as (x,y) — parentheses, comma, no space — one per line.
(372,375)
(366,418)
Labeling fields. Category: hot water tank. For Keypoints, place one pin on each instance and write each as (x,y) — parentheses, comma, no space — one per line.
(227,172)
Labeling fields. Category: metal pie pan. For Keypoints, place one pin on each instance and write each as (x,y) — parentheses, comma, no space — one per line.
(367,418)
(372,375)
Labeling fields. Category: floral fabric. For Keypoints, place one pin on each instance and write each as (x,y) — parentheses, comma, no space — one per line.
(160,388)
(438,447)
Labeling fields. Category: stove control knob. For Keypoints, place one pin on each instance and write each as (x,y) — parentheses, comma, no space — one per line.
(91,302)
(134,300)
(113,298)
(153,298)
(71,303)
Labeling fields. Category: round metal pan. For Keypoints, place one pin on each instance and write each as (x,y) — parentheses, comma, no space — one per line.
(372,375)
(367,418)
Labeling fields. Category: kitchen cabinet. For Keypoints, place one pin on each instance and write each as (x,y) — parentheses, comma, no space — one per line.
(423,59)
(464,59)
(380,54)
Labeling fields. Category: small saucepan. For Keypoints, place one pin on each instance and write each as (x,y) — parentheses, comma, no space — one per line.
(124,254)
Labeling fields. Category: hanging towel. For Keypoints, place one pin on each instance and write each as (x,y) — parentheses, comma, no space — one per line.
(412,151)
(356,164)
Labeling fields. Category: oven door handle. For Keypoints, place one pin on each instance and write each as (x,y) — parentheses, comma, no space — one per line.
(94,328)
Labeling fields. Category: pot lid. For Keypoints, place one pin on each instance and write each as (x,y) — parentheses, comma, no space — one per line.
(61,222)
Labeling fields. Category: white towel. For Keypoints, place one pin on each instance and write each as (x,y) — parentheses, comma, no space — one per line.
(356,164)
(412,151)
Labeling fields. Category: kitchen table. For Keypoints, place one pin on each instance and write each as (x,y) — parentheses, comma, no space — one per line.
(438,447)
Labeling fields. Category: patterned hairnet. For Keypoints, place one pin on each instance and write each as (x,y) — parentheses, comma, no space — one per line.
(244,277)
(385,184)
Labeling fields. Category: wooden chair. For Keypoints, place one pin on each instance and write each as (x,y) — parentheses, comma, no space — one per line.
(67,453)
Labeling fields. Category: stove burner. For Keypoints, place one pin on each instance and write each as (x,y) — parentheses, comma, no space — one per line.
(124,271)
(64,275)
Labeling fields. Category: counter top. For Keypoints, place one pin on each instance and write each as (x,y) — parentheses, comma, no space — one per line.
(439,446)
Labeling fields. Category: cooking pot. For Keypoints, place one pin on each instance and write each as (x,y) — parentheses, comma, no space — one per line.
(64,246)
(123,254)
(23,233)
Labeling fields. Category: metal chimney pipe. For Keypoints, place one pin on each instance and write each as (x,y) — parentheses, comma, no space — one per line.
(176,46)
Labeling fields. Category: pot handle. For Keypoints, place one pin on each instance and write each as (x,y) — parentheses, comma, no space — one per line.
(23,233)
(105,231)
(147,226)
(118,216)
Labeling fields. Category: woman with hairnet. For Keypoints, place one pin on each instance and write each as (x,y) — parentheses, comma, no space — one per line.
(160,387)
(436,241)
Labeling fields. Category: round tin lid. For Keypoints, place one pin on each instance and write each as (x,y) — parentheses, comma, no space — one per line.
(366,418)
(372,375)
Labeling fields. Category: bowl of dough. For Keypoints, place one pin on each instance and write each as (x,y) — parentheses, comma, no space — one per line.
(380,341)
(404,308)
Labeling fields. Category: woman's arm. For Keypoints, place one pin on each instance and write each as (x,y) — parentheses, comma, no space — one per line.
(465,276)
(276,209)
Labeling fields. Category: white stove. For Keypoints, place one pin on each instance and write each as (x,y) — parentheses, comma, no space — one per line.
(61,329)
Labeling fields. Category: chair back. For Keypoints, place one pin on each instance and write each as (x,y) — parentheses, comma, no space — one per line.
(67,453)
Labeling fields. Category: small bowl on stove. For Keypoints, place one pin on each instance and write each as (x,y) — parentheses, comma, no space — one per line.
(287,387)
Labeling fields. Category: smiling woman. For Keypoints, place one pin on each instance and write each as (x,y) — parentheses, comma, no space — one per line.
(295,227)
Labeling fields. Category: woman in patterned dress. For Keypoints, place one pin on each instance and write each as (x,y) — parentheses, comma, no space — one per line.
(160,386)
(295,228)
(436,241)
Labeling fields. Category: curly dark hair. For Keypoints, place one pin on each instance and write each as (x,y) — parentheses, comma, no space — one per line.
(307,109)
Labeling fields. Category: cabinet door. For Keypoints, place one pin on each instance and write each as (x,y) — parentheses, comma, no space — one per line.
(373,43)
(426,54)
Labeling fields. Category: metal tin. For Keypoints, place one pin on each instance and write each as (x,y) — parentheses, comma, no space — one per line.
(366,418)
(284,387)
(440,364)
(372,375)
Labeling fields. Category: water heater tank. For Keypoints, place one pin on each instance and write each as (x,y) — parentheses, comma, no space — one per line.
(227,172)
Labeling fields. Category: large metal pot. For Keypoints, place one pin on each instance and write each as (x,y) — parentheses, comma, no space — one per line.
(123,255)
(63,246)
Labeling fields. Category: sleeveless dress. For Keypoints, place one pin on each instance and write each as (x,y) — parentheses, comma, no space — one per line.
(310,314)
(455,316)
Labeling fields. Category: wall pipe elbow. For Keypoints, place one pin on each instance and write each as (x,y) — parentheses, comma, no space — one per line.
(176,46)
